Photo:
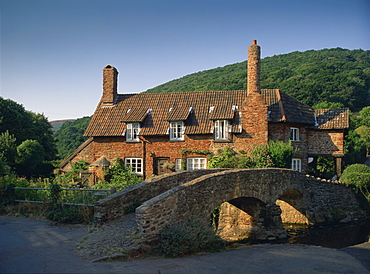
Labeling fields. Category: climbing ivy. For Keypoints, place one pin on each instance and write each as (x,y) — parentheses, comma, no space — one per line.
(204,152)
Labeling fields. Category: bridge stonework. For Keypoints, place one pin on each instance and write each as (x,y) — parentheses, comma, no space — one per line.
(254,202)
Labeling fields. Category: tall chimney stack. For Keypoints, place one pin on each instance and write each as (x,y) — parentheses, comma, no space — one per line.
(110,76)
(254,56)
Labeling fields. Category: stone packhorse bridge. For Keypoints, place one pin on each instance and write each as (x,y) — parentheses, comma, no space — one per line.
(253,202)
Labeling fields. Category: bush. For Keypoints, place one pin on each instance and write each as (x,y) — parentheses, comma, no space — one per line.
(357,176)
(191,237)
(69,214)
(121,177)
(275,154)
(281,153)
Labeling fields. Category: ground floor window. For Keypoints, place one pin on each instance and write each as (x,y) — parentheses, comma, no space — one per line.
(177,164)
(135,163)
(297,164)
(194,163)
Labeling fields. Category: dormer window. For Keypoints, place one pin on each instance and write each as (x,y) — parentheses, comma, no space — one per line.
(132,132)
(221,129)
(177,131)
(294,134)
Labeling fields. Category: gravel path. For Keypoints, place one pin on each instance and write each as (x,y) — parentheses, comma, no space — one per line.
(115,239)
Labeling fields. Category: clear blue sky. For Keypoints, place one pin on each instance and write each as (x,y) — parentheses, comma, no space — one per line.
(53,51)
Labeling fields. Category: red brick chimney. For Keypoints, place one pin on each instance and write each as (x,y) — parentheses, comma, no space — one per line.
(254,109)
(254,56)
(110,76)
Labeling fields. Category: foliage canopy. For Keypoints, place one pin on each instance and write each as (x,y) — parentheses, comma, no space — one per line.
(332,75)
(70,135)
(26,140)
(357,176)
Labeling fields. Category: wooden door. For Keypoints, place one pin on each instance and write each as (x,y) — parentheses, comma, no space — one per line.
(159,165)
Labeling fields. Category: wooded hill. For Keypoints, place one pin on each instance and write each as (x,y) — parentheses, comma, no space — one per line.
(314,76)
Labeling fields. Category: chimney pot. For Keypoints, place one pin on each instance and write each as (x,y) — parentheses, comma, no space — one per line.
(254,42)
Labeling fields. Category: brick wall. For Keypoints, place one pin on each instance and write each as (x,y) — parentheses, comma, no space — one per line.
(159,146)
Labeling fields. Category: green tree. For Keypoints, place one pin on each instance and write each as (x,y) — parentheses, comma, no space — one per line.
(41,130)
(14,118)
(357,176)
(364,133)
(354,148)
(70,136)
(365,116)
(30,157)
(24,125)
(327,105)
(330,75)
(8,148)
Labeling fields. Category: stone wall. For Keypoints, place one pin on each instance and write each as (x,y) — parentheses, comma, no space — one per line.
(325,142)
(115,205)
(319,201)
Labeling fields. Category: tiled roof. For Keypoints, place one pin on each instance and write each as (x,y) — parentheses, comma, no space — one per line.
(221,112)
(284,108)
(332,118)
(197,109)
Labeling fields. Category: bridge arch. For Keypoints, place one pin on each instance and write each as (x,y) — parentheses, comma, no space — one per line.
(199,197)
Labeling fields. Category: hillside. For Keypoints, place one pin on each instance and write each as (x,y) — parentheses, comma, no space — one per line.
(70,135)
(56,124)
(333,75)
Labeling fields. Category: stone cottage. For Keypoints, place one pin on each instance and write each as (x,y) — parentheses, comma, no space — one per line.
(152,132)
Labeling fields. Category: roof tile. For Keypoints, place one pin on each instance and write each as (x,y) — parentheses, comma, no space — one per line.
(175,106)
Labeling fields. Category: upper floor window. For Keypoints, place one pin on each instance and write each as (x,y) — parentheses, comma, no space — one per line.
(195,163)
(297,164)
(132,132)
(221,129)
(136,164)
(177,131)
(294,134)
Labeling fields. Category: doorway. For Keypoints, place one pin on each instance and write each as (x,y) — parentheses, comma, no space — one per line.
(159,167)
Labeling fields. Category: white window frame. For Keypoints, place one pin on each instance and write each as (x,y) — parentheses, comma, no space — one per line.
(177,164)
(136,164)
(132,132)
(177,131)
(294,134)
(297,164)
(195,163)
(221,129)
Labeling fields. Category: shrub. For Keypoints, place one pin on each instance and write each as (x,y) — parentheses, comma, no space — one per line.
(275,154)
(121,177)
(357,176)
(191,237)
(225,159)
(281,153)
(67,214)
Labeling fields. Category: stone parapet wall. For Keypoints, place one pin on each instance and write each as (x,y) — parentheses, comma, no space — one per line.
(319,201)
(115,205)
